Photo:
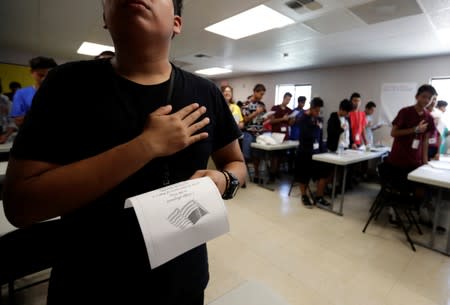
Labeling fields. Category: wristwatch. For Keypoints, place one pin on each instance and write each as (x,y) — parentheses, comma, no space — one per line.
(232,185)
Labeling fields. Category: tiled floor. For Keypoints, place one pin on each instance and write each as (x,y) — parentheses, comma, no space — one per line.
(312,257)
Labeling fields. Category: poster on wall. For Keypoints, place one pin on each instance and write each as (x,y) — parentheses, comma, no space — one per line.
(395,96)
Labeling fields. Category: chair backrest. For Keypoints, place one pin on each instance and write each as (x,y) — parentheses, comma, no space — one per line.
(29,250)
(390,182)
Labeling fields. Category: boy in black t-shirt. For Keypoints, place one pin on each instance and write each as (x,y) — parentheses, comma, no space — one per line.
(311,143)
(339,130)
(130,142)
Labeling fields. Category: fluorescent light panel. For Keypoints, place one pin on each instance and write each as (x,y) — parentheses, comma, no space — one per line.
(93,49)
(253,21)
(213,71)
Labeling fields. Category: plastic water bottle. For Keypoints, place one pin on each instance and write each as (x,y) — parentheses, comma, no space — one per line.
(340,149)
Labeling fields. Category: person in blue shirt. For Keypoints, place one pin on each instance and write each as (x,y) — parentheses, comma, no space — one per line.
(295,129)
(24,97)
(311,143)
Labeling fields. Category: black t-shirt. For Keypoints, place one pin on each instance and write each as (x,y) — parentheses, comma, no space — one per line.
(310,135)
(101,244)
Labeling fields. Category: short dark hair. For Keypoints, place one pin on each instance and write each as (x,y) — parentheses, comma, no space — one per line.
(316,102)
(301,99)
(441,104)
(371,105)
(287,94)
(259,87)
(41,62)
(105,53)
(14,85)
(346,105)
(178,7)
(355,95)
(426,88)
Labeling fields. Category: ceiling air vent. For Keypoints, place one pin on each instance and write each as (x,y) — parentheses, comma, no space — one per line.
(294,4)
(311,5)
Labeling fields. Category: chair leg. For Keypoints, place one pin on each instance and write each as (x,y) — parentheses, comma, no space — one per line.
(404,229)
(292,186)
(410,222)
(378,211)
(11,299)
(414,221)
(374,213)
(375,202)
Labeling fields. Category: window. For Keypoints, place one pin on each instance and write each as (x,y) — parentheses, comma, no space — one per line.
(442,86)
(296,91)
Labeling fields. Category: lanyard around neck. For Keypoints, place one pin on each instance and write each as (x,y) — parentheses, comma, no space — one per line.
(170,90)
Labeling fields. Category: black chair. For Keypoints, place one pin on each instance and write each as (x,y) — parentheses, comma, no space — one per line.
(27,251)
(397,195)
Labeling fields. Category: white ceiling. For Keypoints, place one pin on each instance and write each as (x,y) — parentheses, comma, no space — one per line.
(341,32)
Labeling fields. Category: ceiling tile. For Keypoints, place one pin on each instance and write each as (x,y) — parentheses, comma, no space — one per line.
(441,19)
(384,10)
(434,5)
(336,21)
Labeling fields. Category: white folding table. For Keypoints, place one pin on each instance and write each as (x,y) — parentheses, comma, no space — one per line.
(6,147)
(344,159)
(435,174)
(267,149)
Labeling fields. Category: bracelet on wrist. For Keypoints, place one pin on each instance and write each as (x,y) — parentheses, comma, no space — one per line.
(227,178)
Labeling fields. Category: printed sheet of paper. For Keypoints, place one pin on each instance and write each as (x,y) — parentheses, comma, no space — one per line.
(439,164)
(179,217)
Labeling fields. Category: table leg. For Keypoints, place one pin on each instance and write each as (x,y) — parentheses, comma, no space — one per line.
(333,192)
(333,195)
(436,217)
(344,180)
(430,244)
(266,164)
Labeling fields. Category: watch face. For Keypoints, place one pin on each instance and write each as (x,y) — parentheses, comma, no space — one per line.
(235,185)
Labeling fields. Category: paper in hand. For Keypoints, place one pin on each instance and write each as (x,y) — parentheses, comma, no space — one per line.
(179,217)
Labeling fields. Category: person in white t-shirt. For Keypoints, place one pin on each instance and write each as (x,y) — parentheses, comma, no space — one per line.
(370,127)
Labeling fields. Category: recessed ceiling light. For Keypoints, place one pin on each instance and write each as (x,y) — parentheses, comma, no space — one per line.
(253,21)
(93,49)
(213,71)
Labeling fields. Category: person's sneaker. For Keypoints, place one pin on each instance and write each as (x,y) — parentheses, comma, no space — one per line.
(321,201)
(307,202)
(441,230)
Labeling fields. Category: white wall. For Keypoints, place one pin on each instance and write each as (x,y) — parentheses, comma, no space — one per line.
(337,83)
(10,56)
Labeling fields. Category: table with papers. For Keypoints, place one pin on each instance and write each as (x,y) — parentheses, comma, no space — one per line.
(344,159)
(435,174)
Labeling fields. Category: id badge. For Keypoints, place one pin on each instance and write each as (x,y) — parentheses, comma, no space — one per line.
(283,129)
(432,141)
(357,138)
(316,146)
(415,144)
